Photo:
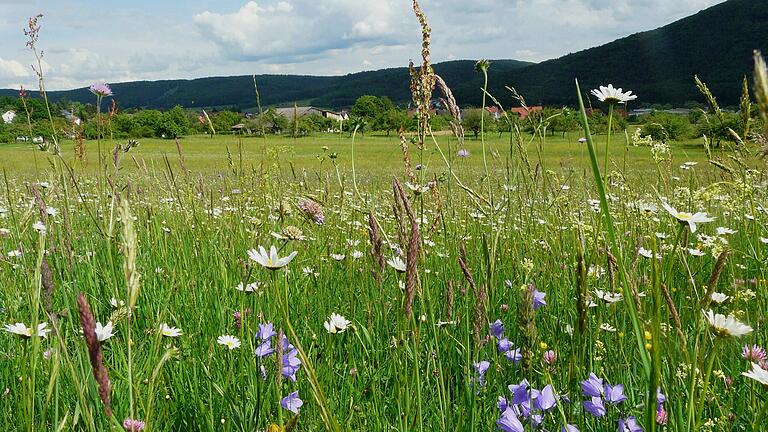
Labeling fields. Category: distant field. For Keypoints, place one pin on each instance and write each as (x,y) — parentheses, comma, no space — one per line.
(376,155)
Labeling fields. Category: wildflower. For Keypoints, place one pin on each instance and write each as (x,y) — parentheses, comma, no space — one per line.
(266,331)
(397,263)
(718,297)
(292,402)
(614,394)
(758,374)
(593,386)
(611,95)
(608,297)
(545,399)
(726,325)
(754,353)
(514,355)
(538,299)
(169,331)
(249,288)
(131,425)
(264,349)
(291,361)
(23,331)
(336,324)
(481,367)
(270,261)
(228,341)
(100,89)
(550,357)
(723,231)
(463,153)
(39,227)
(520,392)
(417,189)
(696,252)
(312,210)
(595,406)
(629,425)
(115,303)
(509,422)
(690,218)
(661,416)
(497,328)
(104,332)
(582,140)
(338,257)
(289,233)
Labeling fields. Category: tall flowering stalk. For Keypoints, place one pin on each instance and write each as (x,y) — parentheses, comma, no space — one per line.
(130,247)
(88,322)
(612,97)
(100,90)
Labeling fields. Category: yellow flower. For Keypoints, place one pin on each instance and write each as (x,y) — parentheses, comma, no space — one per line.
(647,335)
(543,345)
(648,346)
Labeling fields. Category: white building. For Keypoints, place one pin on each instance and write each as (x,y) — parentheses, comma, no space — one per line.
(9,116)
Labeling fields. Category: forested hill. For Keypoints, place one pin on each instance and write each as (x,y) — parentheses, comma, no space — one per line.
(658,65)
(238,91)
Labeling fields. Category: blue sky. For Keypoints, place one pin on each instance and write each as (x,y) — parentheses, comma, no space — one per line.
(112,41)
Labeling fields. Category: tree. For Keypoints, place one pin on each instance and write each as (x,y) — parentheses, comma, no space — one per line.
(391,119)
(664,126)
(370,107)
(224,120)
(473,119)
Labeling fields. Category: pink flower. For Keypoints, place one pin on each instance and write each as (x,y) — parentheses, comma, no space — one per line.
(754,353)
(100,89)
(550,357)
(133,425)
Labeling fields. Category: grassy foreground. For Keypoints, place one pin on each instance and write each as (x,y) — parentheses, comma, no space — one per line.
(521,243)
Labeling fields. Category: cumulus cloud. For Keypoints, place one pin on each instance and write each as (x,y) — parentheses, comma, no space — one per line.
(300,30)
(13,69)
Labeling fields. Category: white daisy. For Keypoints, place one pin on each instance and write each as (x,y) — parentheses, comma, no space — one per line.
(758,374)
(169,331)
(249,288)
(22,330)
(726,325)
(397,263)
(690,218)
(645,252)
(608,297)
(336,324)
(338,257)
(614,95)
(116,303)
(39,227)
(724,231)
(696,252)
(270,260)
(228,341)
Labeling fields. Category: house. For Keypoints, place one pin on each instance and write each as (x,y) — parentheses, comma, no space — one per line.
(71,117)
(494,111)
(309,110)
(522,112)
(240,128)
(9,116)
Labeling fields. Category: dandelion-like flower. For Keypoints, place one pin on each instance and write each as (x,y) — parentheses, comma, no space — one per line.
(100,89)
(228,341)
(688,218)
(336,324)
(612,95)
(270,260)
(726,325)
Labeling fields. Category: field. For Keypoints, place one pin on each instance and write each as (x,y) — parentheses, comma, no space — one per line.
(473,275)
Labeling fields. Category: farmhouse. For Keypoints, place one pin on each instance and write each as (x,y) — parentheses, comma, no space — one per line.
(522,112)
(309,110)
(8,116)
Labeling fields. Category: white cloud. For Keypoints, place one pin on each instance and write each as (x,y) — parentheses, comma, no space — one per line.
(302,29)
(13,69)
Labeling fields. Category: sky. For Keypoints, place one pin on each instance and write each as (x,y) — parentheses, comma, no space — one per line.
(86,41)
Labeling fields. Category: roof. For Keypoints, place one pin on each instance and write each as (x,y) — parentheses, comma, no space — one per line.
(300,111)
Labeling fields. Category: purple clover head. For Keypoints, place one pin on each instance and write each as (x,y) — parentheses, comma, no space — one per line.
(131,425)
(592,387)
(595,406)
(614,394)
(292,402)
(497,328)
(100,89)
(508,422)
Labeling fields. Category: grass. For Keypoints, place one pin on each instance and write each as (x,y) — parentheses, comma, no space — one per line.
(194,224)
